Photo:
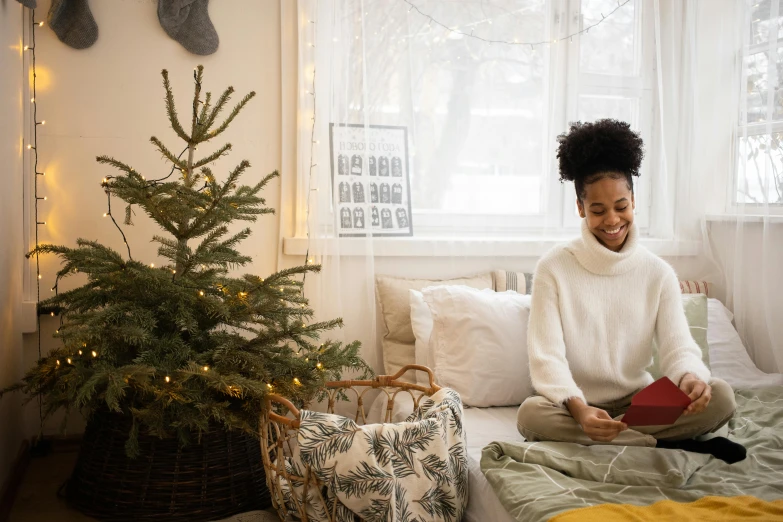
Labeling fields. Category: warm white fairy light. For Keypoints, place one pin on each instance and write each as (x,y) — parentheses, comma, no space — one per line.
(167,379)
(94,353)
(34,160)
(471,34)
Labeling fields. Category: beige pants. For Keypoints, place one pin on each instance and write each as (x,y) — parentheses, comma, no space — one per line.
(540,419)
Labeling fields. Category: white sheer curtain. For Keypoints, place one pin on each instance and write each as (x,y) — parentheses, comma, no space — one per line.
(747,242)
(481,112)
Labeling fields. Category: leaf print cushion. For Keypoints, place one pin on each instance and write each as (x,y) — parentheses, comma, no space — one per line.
(408,471)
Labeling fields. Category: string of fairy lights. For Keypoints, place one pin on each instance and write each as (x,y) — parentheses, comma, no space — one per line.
(458,30)
(32,146)
(312,92)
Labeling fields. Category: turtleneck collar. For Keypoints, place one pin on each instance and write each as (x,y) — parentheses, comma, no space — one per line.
(598,259)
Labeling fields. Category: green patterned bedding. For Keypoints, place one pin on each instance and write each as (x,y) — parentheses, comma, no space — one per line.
(536,481)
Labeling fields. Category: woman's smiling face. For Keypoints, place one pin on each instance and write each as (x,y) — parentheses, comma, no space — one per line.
(607,206)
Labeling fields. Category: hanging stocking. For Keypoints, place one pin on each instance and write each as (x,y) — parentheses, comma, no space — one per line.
(72,22)
(187,21)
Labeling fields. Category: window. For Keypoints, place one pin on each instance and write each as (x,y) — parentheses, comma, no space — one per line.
(615,67)
(483,117)
(759,179)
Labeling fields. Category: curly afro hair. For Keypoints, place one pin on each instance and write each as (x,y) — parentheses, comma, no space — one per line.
(603,148)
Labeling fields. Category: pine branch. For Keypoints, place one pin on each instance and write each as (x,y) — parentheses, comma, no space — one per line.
(181,165)
(108,160)
(214,156)
(171,109)
(379,510)
(458,464)
(202,118)
(438,503)
(435,468)
(198,76)
(216,110)
(401,505)
(231,116)
(365,479)
(331,439)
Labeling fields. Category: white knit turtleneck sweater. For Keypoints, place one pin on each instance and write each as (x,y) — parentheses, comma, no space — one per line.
(593,318)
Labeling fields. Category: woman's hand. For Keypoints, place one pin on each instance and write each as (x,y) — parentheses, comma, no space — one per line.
(699,392)
(595,422)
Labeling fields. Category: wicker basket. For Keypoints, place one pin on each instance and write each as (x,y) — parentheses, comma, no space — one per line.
(216,478)
(279,436)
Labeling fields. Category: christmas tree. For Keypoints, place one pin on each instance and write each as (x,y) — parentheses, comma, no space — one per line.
(184,345)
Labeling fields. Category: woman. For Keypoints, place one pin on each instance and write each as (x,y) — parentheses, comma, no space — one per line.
(597,304)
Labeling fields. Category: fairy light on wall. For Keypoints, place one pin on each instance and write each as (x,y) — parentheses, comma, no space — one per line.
(32,146)
(34,150)
(312,92)
(516,41)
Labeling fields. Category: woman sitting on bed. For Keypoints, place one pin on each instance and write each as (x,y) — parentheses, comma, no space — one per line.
(597,304)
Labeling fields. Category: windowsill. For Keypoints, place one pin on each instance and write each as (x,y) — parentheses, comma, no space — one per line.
(744,218)
(468,247)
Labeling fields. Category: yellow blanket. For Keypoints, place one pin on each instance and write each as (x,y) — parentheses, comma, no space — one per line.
(713,509)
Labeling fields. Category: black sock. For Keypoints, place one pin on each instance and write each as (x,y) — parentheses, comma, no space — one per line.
(719,447)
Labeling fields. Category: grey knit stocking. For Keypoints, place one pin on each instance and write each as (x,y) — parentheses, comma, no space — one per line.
(187,21)
(72,22)
(32,4)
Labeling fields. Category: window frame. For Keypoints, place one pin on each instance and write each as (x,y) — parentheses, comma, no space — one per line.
(640,86)
(746,130)
(557,199)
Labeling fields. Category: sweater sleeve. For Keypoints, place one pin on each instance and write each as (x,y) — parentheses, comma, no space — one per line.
(678,353)
(549,370)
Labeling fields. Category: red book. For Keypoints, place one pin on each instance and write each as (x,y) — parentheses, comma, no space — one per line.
(659,404)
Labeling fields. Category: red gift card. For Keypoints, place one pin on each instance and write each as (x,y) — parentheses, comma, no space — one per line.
(659,404)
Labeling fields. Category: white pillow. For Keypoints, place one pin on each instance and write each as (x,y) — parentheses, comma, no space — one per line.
(421,321)
(478,344)
(729,360)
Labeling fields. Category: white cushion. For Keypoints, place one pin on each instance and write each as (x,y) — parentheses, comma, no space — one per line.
(421,321)
(729,360)
(393,299)
(478,344)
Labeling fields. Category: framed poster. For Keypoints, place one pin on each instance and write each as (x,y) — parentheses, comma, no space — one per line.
(370,180)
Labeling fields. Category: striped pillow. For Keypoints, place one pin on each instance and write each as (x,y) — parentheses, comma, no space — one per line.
(695,287)
(520,282)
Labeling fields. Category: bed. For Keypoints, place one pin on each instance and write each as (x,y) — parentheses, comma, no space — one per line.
(545,490)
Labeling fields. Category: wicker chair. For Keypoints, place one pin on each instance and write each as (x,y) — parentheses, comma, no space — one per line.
(279,437)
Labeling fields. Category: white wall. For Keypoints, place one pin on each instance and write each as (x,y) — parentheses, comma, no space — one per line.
(12,104)
(108,99)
